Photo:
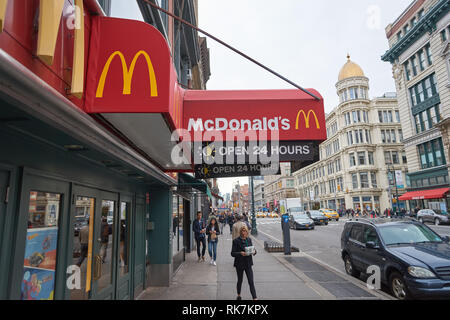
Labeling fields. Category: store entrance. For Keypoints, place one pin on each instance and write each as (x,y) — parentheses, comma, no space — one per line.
(95,243)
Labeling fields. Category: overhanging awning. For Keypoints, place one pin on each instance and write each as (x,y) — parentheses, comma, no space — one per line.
(185,180)
(425,194)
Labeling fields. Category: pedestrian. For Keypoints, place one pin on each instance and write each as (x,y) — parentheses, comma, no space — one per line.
(243,261)
(237,227)
(104,238)
(222,221)
(198,227)
(230,222)
(213,230)
(174,225)
(84,243)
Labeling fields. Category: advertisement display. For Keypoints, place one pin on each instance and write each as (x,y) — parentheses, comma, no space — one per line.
(39,264)
(399,179)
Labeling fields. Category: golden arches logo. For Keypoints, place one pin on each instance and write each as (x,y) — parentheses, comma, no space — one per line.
(307,118)
(128,73)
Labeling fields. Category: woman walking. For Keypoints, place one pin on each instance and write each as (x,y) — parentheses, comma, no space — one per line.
(213,230)
(243,261)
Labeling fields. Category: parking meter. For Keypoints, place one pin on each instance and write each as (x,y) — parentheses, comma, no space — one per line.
(286,234)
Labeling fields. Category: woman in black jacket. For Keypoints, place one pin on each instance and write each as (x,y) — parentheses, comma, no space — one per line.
(243,262)
(213,230)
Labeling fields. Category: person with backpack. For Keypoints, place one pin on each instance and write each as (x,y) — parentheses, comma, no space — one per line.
(213,230)
(198,227)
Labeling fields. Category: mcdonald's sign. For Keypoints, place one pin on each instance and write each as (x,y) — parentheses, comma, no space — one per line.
(307,119)
(131,76)
(128,73)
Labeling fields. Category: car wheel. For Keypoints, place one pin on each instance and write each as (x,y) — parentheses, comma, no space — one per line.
(420,220)
(398,286)
(349,267)
(337,219)
(326,223)
(437,222)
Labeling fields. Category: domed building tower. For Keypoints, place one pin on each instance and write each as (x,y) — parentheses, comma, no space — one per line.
(363,149)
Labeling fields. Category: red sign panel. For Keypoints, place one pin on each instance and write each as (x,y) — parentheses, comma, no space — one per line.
(130,68)
(292,113)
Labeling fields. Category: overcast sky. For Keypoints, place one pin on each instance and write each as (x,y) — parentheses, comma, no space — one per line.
(305,41)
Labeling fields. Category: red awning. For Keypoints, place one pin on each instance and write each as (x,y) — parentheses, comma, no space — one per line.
(425,194)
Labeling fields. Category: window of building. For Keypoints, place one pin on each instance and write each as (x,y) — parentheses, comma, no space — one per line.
(373,179)
(429,55)
(421,60)
(421,14)
(397,116)
(395,159)
(387,157)
(414,65)
(380,116)
(349,138)
(407,71)
(364,179)
(355,181)
(370,156)
(352,160)
(444,35)
(400,135)
(431,153)
(361,158)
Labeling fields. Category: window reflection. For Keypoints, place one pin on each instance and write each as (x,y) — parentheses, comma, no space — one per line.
(82,242)
(38,281)
(124,238)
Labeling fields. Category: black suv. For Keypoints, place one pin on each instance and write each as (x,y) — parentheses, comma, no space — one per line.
(414,261)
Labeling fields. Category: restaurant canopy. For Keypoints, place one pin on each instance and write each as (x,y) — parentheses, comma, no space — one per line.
(425,194)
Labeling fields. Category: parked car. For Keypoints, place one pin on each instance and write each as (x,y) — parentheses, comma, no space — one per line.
(414,261)
(318,217)
(301,221)
(428,215)
(330,214)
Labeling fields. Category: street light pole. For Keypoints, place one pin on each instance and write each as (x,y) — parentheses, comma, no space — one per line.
(254,230)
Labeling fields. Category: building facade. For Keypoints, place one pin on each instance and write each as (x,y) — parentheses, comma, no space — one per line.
(419,53)
(64,172)
(278,187)
(362,163)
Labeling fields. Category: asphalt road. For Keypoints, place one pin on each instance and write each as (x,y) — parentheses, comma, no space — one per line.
(322,243)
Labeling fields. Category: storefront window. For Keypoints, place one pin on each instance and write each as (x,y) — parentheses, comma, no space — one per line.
(38,281)
(82,244)
(106,241)
(177,224)
(124,252)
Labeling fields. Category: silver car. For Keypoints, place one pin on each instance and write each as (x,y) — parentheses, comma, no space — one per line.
(428,215)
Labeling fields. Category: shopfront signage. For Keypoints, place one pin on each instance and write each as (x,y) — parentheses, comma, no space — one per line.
(206,171)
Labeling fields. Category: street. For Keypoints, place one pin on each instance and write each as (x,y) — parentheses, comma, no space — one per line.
(324,242)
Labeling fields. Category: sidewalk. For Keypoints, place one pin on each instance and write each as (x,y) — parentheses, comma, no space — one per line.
(277,277)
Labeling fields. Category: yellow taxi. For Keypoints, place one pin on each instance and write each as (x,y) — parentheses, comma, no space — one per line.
(330,214)
(273,215)
(261,215)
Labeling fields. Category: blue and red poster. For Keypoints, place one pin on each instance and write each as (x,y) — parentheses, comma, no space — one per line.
(39,264)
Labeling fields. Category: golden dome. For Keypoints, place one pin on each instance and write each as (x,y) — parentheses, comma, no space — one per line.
(350,69)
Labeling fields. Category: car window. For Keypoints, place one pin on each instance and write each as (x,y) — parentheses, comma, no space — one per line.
(357,233)
(370,235)
(407,234)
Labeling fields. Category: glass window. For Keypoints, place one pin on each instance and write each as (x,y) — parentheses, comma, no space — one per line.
(387,157)
(419,93)
(383,136)
(83,235)
(361,158)
(355,181)
(425,122)
(393,136)
(370,154)
(352,160)
(400,135)
(444,35)
(364,179)
(373,178)
(407,71)
(395,159)
(438,152)
(428,90)
(429,150)
(107,224)
(380,116)
(429,54)
(39,267)
(414,65)
(124,236)
(397,116)
(357,233)
(422,60)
